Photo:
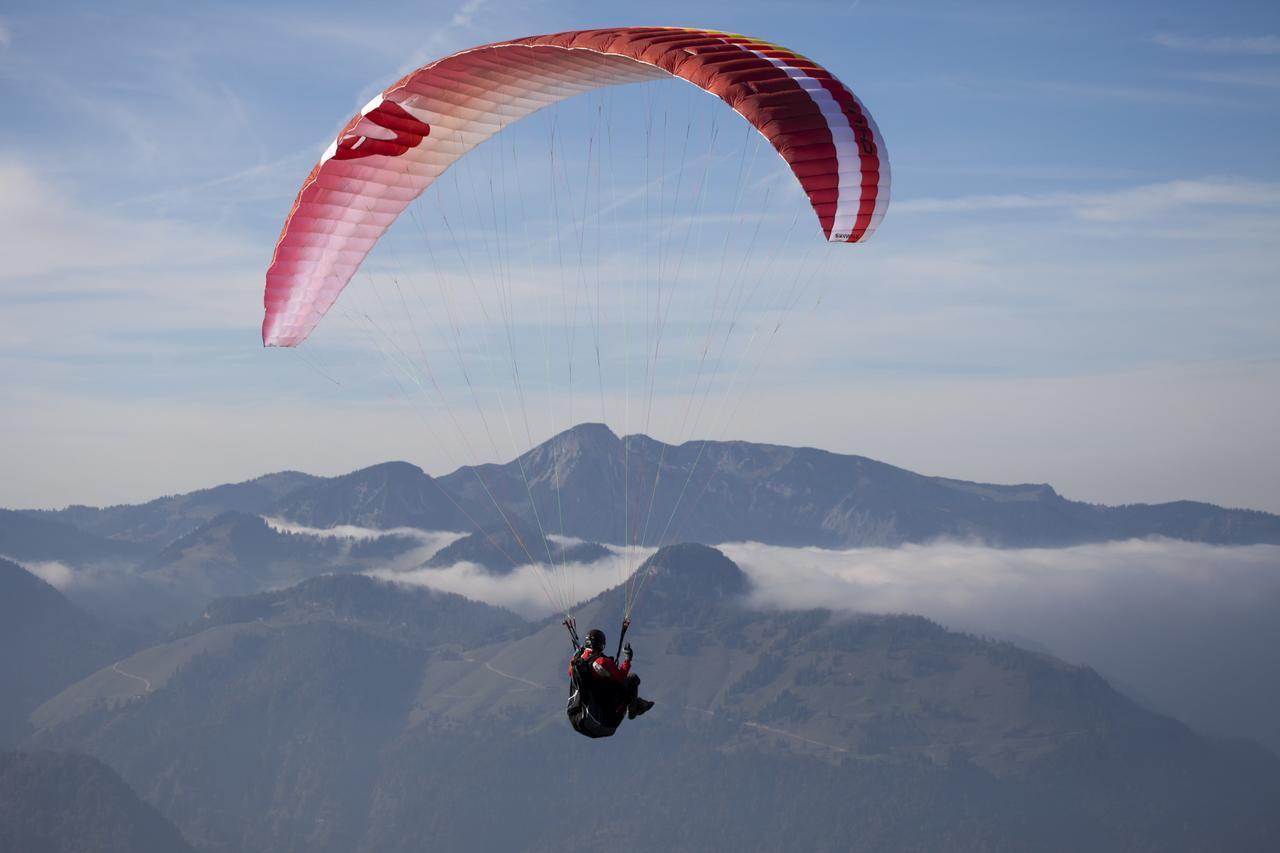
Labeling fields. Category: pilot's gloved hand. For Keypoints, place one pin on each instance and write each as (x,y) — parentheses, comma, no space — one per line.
(626,652)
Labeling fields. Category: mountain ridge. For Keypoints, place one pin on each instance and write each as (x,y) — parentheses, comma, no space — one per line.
(706,491)
(722,491)
(158,522)
(900,733)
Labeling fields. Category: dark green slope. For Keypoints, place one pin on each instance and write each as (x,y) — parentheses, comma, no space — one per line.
(60,803)
(668,788)
(46,643)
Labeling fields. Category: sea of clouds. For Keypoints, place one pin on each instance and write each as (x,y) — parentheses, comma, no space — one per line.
(1185,628)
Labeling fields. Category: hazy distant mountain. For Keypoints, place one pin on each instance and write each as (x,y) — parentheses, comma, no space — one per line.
(351,715)
(505,548)
(159,522)
(577,479)
(27,537)
(45,644)
(240,554)
(393,494)
(236,554)
(732,491)
(698,491)
(59,803)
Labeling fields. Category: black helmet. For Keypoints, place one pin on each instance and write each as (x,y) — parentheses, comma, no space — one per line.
(596,640)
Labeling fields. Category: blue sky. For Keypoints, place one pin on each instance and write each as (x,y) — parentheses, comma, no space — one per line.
(1076,282)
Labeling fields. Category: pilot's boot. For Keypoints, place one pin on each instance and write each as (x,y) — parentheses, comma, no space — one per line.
(638,707)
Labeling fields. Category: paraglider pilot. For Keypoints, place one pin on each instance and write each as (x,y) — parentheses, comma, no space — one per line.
(601,689)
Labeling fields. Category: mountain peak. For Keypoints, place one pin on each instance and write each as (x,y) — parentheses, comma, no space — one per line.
(692,572)
(685,585)
(585,439)
(391,494)
(394,468)
(501,549)
(592,429)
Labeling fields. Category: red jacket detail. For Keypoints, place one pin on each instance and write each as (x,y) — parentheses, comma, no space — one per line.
(603,666)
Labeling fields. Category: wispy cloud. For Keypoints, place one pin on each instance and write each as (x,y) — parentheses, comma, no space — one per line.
(1109,91)
(1263,78)
(526,589)
(105,286)
(330,34)
(48,231)
(156,117)
(55,574)
(437,539)
(429,541)
(1259,45)
(1129,204)
(464,14)
(281,172)
(6,34)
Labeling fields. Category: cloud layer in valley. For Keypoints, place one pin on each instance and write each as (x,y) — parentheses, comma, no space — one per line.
(533,591)
(58,575)
(1187,628)
(1190,629)
(429,541)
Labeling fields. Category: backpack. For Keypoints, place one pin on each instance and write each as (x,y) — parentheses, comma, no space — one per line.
(595,708)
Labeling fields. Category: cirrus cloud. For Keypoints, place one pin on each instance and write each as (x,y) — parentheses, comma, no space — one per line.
(1256,45)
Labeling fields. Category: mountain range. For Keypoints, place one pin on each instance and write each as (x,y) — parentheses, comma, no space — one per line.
(350,714)
(152,566)
(589,484)
(227,654)
(577,483)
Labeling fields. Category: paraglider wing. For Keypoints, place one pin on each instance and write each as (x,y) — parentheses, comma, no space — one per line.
(407,136)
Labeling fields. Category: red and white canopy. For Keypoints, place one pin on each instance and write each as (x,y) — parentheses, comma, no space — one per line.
(407,136)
